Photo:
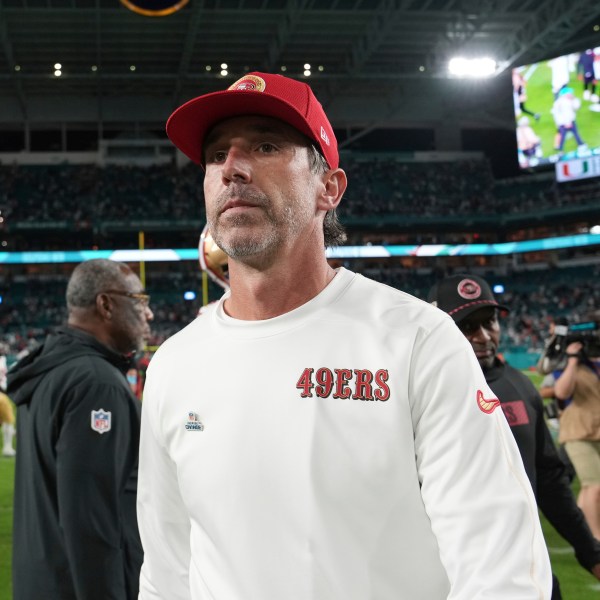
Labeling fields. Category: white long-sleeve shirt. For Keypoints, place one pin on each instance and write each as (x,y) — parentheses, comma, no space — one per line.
(337,452)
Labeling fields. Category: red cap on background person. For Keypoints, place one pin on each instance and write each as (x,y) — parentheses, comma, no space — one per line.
(257,93)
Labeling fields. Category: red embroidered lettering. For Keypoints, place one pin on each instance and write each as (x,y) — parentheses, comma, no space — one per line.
(363,389)
(383,392)
(342,377)
(305,383)
(324,378)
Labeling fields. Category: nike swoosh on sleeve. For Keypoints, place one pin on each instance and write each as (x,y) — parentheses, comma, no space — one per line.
(487,405)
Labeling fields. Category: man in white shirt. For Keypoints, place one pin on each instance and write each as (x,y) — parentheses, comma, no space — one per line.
(316,435)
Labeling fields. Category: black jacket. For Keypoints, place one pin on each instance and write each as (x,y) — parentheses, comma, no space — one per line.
(524,411)
(75,532)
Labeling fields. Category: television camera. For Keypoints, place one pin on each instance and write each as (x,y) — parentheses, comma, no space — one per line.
(554,355)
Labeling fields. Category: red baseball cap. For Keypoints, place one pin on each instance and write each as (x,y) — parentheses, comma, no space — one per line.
(264,94)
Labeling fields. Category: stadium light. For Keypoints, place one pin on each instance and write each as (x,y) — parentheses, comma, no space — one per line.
(472,67)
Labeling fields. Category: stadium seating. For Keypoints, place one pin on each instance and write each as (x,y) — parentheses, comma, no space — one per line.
(78,207)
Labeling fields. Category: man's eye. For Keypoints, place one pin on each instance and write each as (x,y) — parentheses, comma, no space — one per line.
(216,156)
(266,148)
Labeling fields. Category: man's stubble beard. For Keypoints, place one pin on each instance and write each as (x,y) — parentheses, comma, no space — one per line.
(244,244)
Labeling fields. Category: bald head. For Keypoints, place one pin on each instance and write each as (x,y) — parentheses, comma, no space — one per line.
(92,277)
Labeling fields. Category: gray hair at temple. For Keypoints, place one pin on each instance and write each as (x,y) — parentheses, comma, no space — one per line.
(333,230)
(92,277)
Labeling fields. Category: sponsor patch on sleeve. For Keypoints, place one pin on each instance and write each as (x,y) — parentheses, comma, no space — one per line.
(515,413)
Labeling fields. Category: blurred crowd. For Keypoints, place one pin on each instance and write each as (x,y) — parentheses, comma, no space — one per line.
(32,307)
(84,194)
(535,297)
(89,196)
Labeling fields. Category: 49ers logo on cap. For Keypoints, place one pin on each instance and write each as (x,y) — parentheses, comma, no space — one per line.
(468,289)
(249,83)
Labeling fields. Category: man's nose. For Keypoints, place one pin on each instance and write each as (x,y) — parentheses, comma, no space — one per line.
(236,167)
(481,334)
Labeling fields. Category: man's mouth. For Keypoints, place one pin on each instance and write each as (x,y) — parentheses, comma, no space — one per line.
(484,352)
(237,204)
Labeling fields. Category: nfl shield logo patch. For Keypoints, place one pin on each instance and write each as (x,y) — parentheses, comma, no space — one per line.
(101,421)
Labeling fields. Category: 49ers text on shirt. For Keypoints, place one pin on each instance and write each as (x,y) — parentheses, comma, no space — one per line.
(358,384)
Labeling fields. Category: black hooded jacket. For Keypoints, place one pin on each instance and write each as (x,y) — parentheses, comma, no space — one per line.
(524,411)
(75,531)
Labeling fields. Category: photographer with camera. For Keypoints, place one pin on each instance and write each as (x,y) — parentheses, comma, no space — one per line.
(580,420)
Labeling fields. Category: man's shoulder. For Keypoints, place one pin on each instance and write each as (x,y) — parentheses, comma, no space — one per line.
(88,367)
(394,304)
(520,379)
(517,374)
(191,334)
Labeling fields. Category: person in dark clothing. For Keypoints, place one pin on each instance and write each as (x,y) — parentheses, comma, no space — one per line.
(470,302)
(75,534)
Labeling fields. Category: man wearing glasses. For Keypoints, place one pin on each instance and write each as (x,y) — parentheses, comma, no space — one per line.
(75,528)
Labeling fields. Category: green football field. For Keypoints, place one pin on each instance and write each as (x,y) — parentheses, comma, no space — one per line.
(540,100)
(7,470)
(576,583)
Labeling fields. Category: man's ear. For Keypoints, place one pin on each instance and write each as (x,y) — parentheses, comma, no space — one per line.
(104,306)
(334,186)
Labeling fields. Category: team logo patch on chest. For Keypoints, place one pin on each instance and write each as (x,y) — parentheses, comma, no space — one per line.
(101,421)
(193,422)
(357,384)
(515,413)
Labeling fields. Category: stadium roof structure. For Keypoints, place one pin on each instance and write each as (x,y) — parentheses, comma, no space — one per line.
(384,62)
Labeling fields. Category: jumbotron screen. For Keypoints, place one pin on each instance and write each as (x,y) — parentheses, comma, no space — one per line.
(557,109)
